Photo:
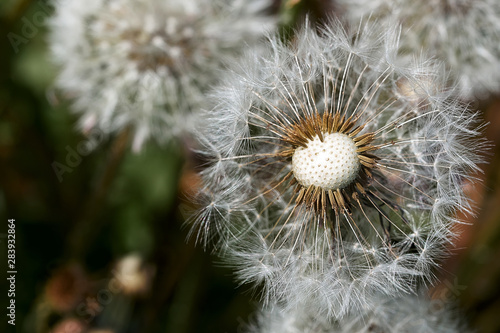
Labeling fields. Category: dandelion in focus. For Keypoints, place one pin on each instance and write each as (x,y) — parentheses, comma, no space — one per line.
(329,180)
(145,64)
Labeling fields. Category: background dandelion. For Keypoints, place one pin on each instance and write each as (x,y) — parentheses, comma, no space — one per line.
(465,34)
(146,64)
(410,314)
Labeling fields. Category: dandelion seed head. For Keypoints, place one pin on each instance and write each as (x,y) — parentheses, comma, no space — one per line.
(147,64)
(462,33)
(409,314)
(337,229)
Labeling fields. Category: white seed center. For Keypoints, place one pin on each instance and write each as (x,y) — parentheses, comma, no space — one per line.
(331,164)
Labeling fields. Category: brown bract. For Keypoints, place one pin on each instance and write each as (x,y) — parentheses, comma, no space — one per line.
(301,133)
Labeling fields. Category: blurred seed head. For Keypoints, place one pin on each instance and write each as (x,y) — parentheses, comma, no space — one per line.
(410,314)
(145,64)
(465,34)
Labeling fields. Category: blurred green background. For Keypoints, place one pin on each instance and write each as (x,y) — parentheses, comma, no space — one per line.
(116,214)
(71,234)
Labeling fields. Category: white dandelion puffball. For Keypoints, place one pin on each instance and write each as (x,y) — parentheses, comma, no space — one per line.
(145,64)
(410,314)
(465,34)
(327,178)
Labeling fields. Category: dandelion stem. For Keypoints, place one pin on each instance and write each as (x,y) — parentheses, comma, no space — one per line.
(86,227)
